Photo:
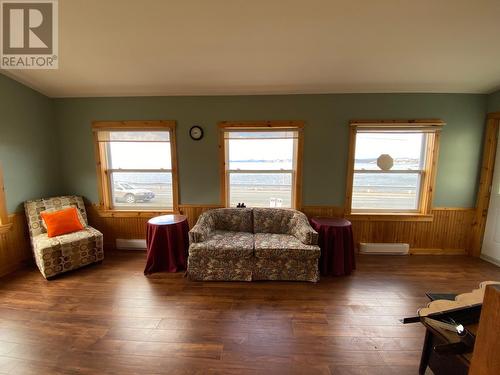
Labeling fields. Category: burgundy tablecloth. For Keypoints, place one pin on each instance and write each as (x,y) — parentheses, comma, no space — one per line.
(167,244)
(337,245)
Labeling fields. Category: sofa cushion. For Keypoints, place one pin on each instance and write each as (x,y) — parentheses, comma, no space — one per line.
(272,245)
(224,244)
(43,243)
(54,255)
(272,220)
(234,219)
(229,269)
(286,269)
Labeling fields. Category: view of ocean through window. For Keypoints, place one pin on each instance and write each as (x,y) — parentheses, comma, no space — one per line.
(396,188)
(261,167)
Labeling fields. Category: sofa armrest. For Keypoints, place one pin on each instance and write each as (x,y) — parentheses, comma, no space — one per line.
(198,234)
(302,230)
(201,231)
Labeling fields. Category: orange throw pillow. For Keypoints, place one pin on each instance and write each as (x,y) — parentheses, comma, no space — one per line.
(62,221)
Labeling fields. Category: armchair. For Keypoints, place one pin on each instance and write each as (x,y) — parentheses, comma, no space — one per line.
(55,255)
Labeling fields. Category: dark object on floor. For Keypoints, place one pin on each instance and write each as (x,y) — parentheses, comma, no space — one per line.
(451,333)
(455,362)
(167,244)
(337,245)
(447,352)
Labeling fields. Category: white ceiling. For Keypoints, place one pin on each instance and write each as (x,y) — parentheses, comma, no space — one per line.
(212,47)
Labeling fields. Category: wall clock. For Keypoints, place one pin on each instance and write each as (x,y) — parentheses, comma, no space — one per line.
(196,132)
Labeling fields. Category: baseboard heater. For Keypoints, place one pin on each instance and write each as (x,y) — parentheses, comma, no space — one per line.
(384,248)
(125,244)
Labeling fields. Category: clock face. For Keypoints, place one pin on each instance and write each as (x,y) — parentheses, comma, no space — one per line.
(196,133)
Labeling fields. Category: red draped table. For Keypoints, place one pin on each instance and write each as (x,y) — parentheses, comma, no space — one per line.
(337,245)
(167,244)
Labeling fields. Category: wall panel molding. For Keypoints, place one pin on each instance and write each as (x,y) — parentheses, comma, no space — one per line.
(134,227)
(448,233)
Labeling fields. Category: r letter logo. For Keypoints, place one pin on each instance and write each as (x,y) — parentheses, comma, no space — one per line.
(29,34)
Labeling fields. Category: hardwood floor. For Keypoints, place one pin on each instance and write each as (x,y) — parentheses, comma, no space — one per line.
(110,319)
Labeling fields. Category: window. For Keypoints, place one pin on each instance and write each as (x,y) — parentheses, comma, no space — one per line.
(392,166)
(261,163)
(136,164)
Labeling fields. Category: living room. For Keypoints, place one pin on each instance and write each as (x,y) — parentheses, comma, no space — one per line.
(358,139)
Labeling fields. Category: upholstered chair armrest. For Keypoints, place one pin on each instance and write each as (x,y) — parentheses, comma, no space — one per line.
(204,226)
(198,234)
(302,230)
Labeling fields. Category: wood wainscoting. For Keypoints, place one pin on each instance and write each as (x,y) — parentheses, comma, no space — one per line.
(134,226)
(448,233)
(15,249)
(194,211)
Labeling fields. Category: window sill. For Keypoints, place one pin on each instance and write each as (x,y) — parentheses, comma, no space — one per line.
(389,217)
(123,213)
(4,228)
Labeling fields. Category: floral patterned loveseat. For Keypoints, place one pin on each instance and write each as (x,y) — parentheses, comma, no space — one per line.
(67,252)
(245,244)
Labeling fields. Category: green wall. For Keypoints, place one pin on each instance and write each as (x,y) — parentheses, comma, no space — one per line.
(28,147)
(494,102)
(326,137)
(46,144)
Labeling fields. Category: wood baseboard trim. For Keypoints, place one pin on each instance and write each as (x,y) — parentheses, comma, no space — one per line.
(417,251)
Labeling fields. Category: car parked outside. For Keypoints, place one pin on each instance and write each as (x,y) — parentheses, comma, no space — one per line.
(124,192)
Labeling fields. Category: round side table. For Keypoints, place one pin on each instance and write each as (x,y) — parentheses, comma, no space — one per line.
(337,245)
(167,244)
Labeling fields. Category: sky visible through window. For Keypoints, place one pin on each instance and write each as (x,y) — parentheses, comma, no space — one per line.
(140,155)
(131,152)
(404,148)
(261,151)
(260,154)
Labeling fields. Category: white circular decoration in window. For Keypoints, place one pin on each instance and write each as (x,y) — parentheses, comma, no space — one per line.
(385,162)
